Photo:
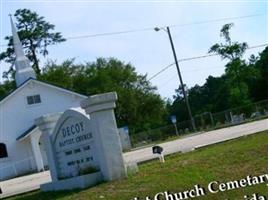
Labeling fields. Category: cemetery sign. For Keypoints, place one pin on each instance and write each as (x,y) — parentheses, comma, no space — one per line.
(83,145)
(73,144)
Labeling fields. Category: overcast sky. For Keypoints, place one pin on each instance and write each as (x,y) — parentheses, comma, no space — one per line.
(148,51)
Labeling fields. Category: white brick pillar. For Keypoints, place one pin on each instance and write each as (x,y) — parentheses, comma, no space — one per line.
(46,125)
(101,111)
(36,150)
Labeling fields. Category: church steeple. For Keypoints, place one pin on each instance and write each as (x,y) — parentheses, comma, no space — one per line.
(24,71)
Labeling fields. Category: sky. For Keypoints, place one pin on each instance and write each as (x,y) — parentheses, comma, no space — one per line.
(149,51)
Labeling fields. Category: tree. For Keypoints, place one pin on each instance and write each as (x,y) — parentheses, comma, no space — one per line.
(236,69)
(6,87)
(234,88)
(35,35)
(210,97)
(138,104)
(230,50)
(259,90)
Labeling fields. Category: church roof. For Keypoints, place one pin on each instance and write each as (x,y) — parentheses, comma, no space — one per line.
(24,72)
(12,91)
(40,82)
(26,133)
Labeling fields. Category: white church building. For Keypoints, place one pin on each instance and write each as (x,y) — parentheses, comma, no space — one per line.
(21,147)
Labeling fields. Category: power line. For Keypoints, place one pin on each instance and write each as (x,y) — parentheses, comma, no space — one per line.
(166,82)
(175,25)
(162,70)
(205,69)
(109,33)
(218,20)
(215,54)
(152,28)
(257,46)
(187,71)
(199,57)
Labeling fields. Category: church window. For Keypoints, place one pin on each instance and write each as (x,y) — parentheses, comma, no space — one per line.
(3,150)
(35,99)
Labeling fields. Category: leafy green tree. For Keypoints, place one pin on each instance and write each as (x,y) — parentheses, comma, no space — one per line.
(259,90)
(210,97)
(229,50)
(236,69)
(138,105)
(6,87)
(35,34)
(234,88)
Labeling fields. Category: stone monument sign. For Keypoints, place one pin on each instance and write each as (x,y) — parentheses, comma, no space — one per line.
(73,144)
(83,145)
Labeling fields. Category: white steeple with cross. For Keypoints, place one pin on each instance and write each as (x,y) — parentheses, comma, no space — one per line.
(24,71)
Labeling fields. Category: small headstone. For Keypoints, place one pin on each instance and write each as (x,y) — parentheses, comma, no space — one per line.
(124,137)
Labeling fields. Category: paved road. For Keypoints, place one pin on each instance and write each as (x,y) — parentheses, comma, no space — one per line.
(196,141)
(32,182)
(24,184)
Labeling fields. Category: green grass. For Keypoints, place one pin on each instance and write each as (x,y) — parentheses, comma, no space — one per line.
(223,162)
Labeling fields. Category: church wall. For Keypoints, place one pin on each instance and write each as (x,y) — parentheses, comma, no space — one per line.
(18,117)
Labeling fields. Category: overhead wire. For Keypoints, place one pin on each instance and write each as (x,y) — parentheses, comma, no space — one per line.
(187,71)
(152,28)
(199,57)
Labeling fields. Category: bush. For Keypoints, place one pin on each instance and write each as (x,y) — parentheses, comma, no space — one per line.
(87,170)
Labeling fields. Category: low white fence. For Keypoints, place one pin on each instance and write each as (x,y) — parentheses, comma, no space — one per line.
(17,168)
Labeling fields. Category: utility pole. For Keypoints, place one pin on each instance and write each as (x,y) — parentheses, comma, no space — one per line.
(181,82)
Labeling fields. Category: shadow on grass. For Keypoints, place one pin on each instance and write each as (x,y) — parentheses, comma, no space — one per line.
(44,195)
(39,195)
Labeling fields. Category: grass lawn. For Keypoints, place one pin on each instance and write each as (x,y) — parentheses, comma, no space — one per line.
(233,160)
